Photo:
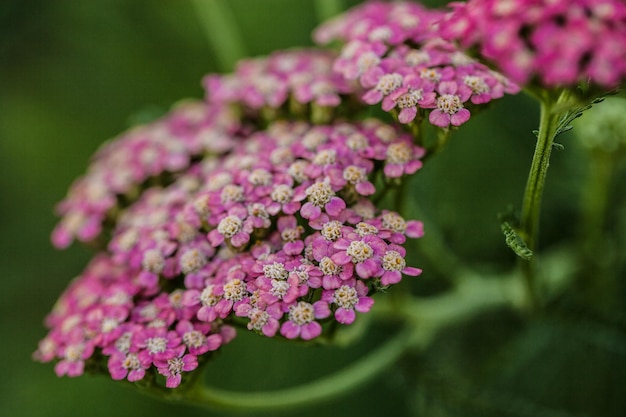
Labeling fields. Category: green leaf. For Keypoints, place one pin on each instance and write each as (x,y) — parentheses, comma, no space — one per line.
(515,241)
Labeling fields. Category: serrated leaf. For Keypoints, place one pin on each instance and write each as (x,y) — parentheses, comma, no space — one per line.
(514,241)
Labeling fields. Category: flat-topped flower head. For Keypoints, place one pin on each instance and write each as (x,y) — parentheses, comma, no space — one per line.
(552,43)
(263,231)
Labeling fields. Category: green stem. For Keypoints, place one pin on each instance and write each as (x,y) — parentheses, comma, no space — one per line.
(551,111)
(325,9)
(348,379)
(442,138)
(595,199)
(597,252)
(220,26)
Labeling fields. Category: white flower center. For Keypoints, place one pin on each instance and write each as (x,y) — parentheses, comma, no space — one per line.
(301,313)
(156,345)
(415,57)
(231,193)
(73,353)
(393,261)
(186,232)
(235,290)
(258,319)
(258,210)
(229,226)
(297,171)
(364,229)
(122,344)
(207,298)
(282,194)
(311,140)
(153,261)
(279,288)
(357,142)
(331,230)
(394,222)
(281,156)
(346,297)
(194,338)
(108,325)
(430,74)
(449,103)
(149,311)
(388,83)
(176,298)
(385,133)
(292,234)
(175,366)
(399,153)
(275,270)
(128,239)
(131,361)
(410,99)
(260,177)
(359,251)
(325,157)
(477,84)
(380,34)
(191,261)
(320,193)
(328,267)
(354,174)
(366,61)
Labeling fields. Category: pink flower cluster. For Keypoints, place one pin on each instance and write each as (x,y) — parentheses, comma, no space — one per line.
(122,165)
(295,77)
(277,235)
(280,221)
(394,50)
(549,42)
(106,311)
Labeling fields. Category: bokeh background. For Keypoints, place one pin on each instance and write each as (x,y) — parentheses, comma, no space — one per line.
(75,73)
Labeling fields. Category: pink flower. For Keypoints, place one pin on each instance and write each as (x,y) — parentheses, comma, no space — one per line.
(290,233)
(264,321)
(127,366)
(450,110)
(194,336)
(364,252)
(402,158)
(349,298)
(320,195)
(73,359)
(156,343)
(301,320)
(394,265)
(549,43)
(173,368)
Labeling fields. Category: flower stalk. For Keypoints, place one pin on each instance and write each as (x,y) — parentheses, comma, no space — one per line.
(222,32)
(551,113)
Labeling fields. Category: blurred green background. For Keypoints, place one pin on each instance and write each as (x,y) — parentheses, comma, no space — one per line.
(73,74)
